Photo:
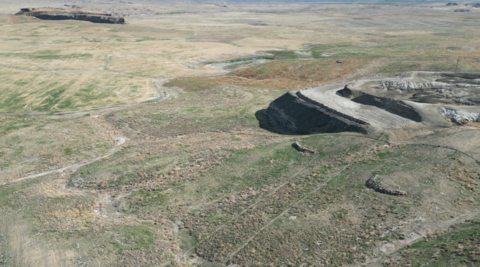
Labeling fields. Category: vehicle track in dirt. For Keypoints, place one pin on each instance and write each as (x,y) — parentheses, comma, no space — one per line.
(120,141)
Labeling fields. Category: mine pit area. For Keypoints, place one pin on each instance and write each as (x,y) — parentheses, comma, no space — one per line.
(432,88)
(382,103)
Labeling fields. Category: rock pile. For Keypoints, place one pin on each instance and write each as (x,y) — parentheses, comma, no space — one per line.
(372,184)
(301,148)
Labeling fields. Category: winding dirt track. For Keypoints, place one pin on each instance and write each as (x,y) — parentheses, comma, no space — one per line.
(162,95)
(120,140)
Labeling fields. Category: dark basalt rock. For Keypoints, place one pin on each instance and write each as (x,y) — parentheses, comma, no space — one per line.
(373,185)
(292,113)
(95,19)
(63,14)
(395,106)
(301,148)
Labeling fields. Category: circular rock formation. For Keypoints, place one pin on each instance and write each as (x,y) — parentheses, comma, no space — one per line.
(369,105)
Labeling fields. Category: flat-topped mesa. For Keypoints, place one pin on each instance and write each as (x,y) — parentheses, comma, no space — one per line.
(369,105)
(65,14)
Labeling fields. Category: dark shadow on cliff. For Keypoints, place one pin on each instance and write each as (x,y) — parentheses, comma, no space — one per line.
(265,123)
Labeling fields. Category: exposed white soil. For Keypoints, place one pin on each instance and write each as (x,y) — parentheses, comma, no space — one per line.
(376,117)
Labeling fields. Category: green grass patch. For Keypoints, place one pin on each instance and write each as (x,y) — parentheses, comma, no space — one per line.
(144,39)
(7,192)
(13,101)
(51,98)
(192,109)
(143,200)
(48,55)
(132,238)
(21,82)
(68,151)
(193,85)
(458,247)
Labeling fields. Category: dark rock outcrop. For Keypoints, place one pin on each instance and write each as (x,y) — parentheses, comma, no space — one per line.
(292,113)
(373,185)
(64,14)
(394,106)
(301,148)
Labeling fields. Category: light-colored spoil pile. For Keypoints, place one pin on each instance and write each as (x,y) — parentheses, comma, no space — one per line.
(371,105)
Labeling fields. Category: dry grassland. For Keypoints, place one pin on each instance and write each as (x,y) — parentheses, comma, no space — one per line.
(148,155)
(121,61)
(31,145)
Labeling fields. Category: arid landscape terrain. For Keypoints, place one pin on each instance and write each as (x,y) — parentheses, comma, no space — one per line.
(152,143)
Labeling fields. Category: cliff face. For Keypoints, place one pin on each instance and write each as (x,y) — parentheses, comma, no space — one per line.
(95,19)
(291,113)
(63,14)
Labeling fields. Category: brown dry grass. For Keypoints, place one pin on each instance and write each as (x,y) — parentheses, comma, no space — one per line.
(282,75)
(201,157)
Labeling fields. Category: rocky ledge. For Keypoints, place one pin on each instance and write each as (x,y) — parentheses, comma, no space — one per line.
(64,14)
(369,105)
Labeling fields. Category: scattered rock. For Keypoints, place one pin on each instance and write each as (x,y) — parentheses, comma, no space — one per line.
(372,184)
(301,148)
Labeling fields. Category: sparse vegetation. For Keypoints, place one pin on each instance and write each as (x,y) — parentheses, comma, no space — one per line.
(148,158)
(455,246)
